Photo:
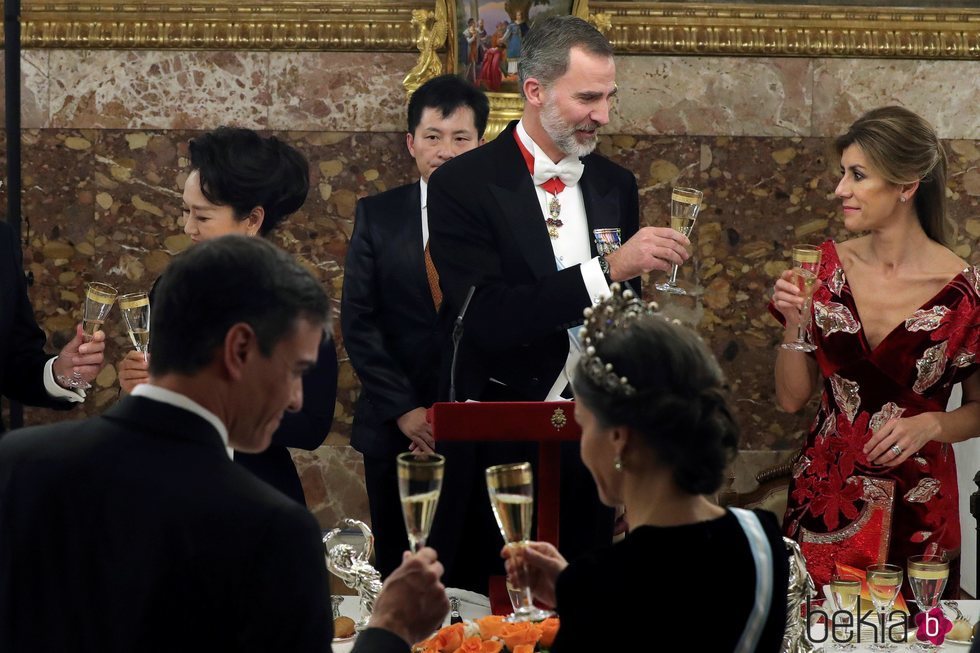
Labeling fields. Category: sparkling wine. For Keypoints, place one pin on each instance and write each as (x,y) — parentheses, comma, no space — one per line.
(927,576)
(683,224)
(513,513)
(805,280)
(419,509)
(884,587)
(89,327)
(419,484)
(140,339)
(847,593)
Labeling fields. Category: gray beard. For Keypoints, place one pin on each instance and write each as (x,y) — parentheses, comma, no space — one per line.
(563,136)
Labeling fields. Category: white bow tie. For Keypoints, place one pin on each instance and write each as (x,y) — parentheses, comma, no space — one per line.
(569,170)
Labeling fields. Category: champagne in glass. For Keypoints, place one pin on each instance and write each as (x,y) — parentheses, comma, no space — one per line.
(927,576)
(135,309)
(847,596)
(419,484)
(685,204)
(806,266)
(884,583)
(99,299)
(511,491)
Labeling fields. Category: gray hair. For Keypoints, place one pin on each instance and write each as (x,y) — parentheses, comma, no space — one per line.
(545,50)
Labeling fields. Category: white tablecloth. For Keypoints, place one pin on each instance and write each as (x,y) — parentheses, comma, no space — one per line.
(471,606)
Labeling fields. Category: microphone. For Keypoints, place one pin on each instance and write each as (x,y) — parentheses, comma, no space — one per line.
(457,336)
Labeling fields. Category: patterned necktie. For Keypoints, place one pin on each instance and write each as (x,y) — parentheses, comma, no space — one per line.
(433,276)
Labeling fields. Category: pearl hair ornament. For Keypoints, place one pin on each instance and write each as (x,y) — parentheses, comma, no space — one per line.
(613,312)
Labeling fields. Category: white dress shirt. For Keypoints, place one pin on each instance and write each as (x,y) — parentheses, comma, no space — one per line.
(571,247)
(424,195)
(56,391)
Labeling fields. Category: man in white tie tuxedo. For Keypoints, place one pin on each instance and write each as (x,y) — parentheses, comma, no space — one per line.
(520,219)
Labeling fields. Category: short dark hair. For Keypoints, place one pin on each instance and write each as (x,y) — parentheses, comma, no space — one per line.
(679,408)
(903,147)
(241,169)
(219,283)
(448,93)
(545,49)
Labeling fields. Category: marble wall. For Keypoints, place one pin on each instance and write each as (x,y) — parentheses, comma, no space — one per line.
(105,158)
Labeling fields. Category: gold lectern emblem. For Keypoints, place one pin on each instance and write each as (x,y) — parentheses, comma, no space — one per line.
(558,419)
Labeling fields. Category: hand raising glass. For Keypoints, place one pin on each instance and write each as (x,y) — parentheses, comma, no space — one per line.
(98,302)
(806,267)
(685,204)
(511,490)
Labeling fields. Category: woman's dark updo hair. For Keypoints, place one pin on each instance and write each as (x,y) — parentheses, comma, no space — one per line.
(679,407)
(240,169)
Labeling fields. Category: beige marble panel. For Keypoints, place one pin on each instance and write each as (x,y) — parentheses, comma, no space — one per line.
(34,81)
(111,89)
(338,91)
(333,482)
(943,92)
(713,96)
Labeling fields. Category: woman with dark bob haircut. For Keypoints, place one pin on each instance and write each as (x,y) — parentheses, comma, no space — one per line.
(243,183)
(657,435)
(895,322)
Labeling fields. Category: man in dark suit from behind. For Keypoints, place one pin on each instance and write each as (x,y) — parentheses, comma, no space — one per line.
(135,531)
(393,329)
(27,373)
(520,220)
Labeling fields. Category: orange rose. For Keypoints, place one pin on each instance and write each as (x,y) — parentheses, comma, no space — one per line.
(492,646)
(523,648)
(520,633)
(549,628)
(471,645)
(491,625)
(449,638)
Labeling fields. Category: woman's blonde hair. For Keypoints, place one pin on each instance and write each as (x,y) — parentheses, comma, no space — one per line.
(905,148)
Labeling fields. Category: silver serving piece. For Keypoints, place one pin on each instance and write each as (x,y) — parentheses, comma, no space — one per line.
(801,588)
(353,567)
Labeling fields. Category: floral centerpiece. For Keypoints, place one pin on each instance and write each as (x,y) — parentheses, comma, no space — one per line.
(492,635)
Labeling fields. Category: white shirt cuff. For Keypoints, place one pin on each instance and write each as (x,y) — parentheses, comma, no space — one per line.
(595,280)
(55,390)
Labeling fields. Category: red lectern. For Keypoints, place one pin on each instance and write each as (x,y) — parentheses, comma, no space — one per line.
(546,422)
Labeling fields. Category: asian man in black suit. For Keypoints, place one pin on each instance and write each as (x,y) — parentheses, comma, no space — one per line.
(27,373)
(393,328)
(519,219)
(135,531)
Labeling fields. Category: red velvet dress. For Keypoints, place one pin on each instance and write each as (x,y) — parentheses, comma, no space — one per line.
(840,507)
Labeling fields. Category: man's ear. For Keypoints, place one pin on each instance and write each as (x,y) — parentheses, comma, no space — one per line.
(240,346)
(534,92)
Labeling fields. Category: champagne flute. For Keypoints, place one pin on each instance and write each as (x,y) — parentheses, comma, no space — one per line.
(927,576)
(135,309)
(419,485)
(511,490)
(806,265)
(99,299)
(884,583)
(685,204)
(847,596)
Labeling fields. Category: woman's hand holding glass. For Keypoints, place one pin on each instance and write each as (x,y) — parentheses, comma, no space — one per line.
(536,566)
(789,300)
(134,369)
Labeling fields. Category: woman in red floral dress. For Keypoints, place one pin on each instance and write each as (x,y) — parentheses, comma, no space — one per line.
(896,319)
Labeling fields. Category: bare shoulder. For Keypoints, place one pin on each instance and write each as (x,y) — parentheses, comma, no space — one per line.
(853,251)
(943,258)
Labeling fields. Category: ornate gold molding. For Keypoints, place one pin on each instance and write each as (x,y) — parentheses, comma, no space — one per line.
(375,25)
(431,28)
(788,30)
